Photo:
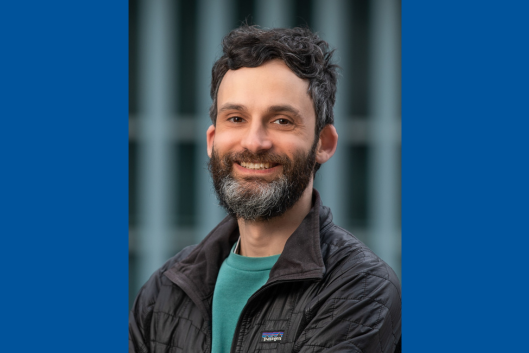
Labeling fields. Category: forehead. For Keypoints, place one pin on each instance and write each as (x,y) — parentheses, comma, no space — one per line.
(272,83)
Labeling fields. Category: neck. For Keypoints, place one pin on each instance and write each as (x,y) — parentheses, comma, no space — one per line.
(267,238)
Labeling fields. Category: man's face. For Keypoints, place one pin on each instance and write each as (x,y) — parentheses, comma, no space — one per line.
(263,147)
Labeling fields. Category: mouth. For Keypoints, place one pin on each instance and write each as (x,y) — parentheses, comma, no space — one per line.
(257,166)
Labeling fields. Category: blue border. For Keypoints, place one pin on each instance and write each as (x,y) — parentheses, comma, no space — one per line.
(64,192)
(465,176)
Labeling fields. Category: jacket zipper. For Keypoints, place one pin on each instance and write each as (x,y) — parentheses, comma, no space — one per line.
(259,291)
(238,327)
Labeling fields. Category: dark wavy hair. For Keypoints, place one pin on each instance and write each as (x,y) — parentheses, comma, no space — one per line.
(308,56)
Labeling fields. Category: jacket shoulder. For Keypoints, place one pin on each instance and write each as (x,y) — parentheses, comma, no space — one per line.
(345,255)
(355,274)
(358,299)
(142,310)
(147,294)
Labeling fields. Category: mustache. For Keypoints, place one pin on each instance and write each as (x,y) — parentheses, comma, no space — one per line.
(262,157)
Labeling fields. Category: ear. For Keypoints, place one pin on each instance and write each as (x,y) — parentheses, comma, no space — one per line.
(210,138)
(327,144)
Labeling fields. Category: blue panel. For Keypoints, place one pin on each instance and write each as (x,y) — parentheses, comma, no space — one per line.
(465,176)
(63,190)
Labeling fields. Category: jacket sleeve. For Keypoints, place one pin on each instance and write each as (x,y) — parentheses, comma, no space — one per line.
(358,311)
(141,315)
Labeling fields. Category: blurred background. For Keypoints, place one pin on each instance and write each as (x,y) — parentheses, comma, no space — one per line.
(172,47)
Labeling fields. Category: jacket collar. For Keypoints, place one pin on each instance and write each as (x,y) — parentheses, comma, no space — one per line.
(301,258)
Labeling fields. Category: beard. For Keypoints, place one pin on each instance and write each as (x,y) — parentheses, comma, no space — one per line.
(254,198)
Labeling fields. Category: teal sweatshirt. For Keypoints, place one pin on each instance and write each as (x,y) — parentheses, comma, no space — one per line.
(239,277)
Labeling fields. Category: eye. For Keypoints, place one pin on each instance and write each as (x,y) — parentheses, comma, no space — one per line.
(282,121)
(236,119)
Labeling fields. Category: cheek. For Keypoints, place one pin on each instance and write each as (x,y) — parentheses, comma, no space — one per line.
(225,142)
(294,146)
(229,139)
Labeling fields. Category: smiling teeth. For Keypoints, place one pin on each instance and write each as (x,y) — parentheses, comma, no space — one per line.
(255,165)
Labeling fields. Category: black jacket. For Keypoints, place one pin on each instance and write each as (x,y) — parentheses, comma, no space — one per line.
(327,292)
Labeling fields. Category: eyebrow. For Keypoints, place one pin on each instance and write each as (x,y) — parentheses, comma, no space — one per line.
(232,106)
(284,108)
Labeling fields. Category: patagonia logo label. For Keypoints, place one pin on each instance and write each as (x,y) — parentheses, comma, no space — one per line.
(272,336)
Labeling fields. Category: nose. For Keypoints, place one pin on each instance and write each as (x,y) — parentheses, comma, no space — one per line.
(256,139)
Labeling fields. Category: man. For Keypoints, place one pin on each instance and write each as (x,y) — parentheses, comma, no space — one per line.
(276,274)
